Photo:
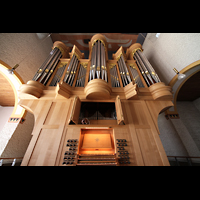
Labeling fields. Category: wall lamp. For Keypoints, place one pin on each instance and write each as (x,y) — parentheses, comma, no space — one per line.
(180,76)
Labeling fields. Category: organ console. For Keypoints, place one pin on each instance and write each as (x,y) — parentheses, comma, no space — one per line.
(123,157)
(121,97)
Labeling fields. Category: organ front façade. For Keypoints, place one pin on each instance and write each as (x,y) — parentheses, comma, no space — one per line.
(95,111)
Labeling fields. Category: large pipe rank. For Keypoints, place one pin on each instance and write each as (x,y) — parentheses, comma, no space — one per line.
(98,68)
(146,69)
(114,77)
(81,76)
(71,71)
(123,71)
(136,76)
(58,75)
(45,71)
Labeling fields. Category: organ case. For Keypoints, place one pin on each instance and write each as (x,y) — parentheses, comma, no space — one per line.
(66,80)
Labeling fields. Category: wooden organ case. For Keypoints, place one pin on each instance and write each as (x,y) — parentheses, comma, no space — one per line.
(119,98)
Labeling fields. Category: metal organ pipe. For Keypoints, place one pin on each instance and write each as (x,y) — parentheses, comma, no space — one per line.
(69,77)
(44,66)
(114,77)
(124,72)
(104,64)
(98,62)
(142,71)
(58,75)
(92,64)
(69,69)
(121,73)
(74,72)
(52,68)
(144,67)
(125,67)
(150,68)
(136,76)
(45,75)
(149,75)
(95,62)
(81,77)
(46,70)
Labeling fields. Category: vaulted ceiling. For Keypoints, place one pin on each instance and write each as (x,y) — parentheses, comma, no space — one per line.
(115,40)
(7,97)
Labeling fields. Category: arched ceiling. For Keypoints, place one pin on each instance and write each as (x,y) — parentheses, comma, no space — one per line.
(7,97)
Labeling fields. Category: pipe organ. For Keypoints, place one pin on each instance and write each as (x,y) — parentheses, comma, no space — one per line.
(114,76)
(135,75)
(145,67)
(71,71)
(125,77)
(46,70)
(98,61)
(80,82)
(95,102)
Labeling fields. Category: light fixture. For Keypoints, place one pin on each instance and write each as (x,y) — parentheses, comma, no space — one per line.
(180,76)
(11,71)
(157,35)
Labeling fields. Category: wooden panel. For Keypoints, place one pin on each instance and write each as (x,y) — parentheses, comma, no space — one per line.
(118,106)
(156,136)
(48,131)
(103,122)
(134,121)
(135,112)
(140,120)
(7,96)
(69,133)
(134,151)
(76,107)
(149,149)
(54,116)
(97,140)
(45,150)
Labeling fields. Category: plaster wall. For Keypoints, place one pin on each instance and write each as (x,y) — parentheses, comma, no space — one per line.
(171,50)
(18,142)
(170,138)
(5,113)
(29,50)
(181,137)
